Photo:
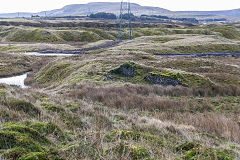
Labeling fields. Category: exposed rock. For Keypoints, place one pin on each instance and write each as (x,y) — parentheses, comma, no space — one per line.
(161,80)
(126,69)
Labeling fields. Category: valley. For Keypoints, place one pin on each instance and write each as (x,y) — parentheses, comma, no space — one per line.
(124,99)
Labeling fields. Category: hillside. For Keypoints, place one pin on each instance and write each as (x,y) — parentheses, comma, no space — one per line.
(113,7)
(110,7)
(229,13)
(95,7)
(125,102)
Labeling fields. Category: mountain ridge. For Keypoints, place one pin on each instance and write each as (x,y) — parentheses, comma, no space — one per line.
(113,7)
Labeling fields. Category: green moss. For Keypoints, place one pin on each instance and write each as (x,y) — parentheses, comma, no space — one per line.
(47,129)
(188,80)
(193,80)
(54,73)
(3,92)
(28,141)
(124,134)
(35,156)
(120,117)
(135,152)
(22,105)
(210,48)
(35,35)
(139,153)
(11,139)
(14,153)
(27,131)
(187,146)
(138,77)
(52,108)
(171,75)
(77,36)
(103,34)
(208,154)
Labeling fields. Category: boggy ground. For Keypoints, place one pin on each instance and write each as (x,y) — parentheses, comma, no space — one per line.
(84,107)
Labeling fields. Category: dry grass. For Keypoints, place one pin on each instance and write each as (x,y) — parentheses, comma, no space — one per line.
(100,117)
(213,123)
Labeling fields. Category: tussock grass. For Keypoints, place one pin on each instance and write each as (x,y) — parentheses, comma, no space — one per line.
(72,112)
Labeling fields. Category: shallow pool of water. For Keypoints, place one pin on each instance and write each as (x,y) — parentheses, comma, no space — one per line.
(15,80)
(47,54)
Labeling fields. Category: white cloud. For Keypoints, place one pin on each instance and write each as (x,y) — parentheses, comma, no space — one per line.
(40,5)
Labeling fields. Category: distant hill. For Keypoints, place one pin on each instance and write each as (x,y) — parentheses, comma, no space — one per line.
(15,15)
(228,13)
(95,7)
(113,7)
(110,7)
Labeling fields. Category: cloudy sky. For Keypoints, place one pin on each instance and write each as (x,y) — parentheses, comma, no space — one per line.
(174,5)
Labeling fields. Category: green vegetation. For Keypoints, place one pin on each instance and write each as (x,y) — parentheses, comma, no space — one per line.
(14,65)
(36,35)
(207,48)
(227,31)
(22,105)
(121,102)
(186,79)
(165,39)
(208,153)
(135,152)
(54,73)
(24,142)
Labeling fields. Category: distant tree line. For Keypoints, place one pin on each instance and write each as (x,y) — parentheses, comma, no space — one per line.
(215,20)
(103,15)
(155,17)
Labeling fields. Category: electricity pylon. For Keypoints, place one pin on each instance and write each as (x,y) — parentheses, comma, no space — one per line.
(125,19)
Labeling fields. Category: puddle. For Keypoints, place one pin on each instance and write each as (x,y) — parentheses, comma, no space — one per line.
(15,80)
(47,54)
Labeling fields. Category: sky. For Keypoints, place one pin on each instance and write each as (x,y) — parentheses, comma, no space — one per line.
(8,6)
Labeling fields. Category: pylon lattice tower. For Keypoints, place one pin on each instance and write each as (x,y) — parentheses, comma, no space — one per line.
(125,20)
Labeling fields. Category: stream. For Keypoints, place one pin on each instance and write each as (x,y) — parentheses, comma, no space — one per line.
(47,54)
(15,80)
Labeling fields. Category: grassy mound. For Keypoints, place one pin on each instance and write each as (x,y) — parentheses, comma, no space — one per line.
(24,106)
(115,135)
(77,36)
(139,74)
(14,65)
(211,48)
(193,150)
(35,35)
(21,141)
(54,73)
(227,31)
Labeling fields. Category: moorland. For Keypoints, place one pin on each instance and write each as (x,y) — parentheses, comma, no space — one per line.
(124,101)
